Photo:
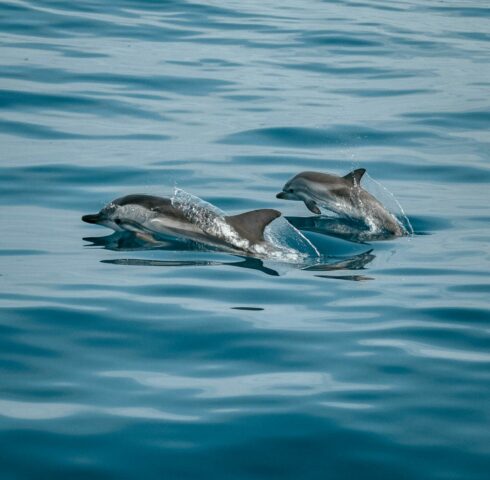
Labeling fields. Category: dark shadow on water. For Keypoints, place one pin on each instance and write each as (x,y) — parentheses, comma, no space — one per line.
(128,242)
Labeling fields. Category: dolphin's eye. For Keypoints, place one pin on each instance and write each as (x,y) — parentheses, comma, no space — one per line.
(290,190)
(117,221)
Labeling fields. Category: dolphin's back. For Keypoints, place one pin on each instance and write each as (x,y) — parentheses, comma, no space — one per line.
(351,179)
(162,205)
(318,177)
(251,225)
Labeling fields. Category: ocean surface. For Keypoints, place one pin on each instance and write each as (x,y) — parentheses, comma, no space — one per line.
(123,361)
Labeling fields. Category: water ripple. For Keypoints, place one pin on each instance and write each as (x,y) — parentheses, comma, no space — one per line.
(123,360)
(50,411)
(352,135)
(429,351)
(266,384)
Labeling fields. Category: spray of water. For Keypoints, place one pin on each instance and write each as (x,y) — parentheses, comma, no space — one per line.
(283,242)
(390,201)
(286,237)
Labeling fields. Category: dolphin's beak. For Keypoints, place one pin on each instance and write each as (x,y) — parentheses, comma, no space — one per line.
(94,218)
(286,196)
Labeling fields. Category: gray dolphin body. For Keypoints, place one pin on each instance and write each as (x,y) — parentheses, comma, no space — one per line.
(147,215)
(341,195)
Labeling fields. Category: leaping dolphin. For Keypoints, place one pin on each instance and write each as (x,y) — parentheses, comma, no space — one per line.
(341,195)
(147,215)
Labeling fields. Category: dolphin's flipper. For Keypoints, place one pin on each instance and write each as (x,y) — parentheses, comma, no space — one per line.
(355,176)
(147,237)
(312,207)
(250,225)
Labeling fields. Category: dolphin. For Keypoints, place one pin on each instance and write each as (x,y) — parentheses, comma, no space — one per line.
(341,195)
(147,215)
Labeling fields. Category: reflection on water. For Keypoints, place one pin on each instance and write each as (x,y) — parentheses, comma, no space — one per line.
(345,228)
(355,262)
(32,411)
(127,241)
(262,384)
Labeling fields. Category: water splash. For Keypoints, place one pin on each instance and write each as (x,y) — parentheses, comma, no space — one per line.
(388,199)
(284,243)
(282,233)
(210,219)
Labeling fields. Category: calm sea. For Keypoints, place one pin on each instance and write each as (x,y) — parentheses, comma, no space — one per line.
(118,362)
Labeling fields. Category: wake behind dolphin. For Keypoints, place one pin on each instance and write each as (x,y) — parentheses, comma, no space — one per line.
(188,217)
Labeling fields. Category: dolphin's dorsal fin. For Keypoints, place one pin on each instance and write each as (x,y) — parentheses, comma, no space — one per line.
(355,176)
(251,225)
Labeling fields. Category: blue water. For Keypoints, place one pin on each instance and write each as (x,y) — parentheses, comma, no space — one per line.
(124,362)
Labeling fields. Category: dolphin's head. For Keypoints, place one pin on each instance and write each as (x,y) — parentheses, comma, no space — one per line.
(132,212)
(315,189)
(108,217)
(307,186)
(292,190)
